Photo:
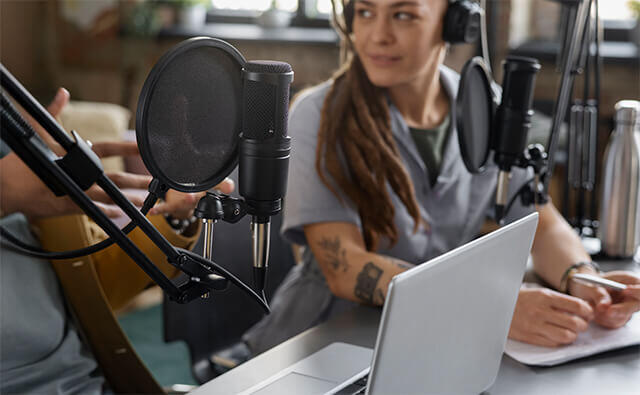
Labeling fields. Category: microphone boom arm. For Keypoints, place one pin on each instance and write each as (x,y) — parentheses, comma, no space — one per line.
(581,10)
(63,176)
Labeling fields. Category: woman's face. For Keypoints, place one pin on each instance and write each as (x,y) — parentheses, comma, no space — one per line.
(398,41)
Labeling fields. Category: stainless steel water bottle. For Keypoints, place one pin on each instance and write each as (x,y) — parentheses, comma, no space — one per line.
(620,199)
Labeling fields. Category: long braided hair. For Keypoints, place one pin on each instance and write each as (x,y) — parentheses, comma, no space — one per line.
(355,121)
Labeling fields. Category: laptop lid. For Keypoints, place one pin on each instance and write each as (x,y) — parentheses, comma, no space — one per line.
(445,322)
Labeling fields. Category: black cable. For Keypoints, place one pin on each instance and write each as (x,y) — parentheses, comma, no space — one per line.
(513,199)
(37,252)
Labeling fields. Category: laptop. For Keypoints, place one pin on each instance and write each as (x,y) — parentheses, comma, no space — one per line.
(443,328)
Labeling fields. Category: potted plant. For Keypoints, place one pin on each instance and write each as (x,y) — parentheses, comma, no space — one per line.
(192,13)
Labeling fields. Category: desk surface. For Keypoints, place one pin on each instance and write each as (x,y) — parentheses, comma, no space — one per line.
(614,372)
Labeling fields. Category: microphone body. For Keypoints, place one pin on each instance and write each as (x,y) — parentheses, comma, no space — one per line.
(264,152)
(513,121)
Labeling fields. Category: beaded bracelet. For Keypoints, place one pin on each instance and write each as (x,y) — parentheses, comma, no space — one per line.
(180,225)
(571,270)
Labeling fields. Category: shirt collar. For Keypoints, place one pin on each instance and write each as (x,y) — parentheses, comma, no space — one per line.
(400,129)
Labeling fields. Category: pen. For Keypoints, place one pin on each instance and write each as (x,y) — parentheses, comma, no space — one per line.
(590,278)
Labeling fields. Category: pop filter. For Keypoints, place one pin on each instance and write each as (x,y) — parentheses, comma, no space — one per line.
(475,109)
(189,114)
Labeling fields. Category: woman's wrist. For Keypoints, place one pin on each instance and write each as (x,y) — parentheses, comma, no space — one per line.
(566,283)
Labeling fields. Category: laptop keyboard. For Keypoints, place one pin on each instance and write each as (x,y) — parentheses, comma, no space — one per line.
(356,388)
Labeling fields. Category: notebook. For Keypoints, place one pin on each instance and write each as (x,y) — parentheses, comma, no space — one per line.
(594,340)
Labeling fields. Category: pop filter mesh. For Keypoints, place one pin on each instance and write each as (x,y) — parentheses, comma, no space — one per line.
(474,117)
(192,118)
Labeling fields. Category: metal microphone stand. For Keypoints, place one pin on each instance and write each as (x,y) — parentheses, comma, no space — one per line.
(579,25)
(581,32)
(77,171)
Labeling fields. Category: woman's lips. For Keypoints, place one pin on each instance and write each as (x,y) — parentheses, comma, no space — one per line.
(383,60)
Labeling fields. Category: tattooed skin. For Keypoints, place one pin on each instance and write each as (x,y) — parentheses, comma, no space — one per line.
(367,282)
(378,297)
(336,257)
(400,264)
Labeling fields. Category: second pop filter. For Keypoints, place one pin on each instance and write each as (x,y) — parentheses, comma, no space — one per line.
(475,109)
(189,114)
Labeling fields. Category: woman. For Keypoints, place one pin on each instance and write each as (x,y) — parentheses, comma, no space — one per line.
(377,185)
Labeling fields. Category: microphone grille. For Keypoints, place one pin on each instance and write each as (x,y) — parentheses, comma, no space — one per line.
(267,66)
(265,104)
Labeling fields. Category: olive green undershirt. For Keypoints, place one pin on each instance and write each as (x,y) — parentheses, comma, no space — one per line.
(431,144)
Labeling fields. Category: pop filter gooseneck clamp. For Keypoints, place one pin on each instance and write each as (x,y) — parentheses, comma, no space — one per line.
(78,170)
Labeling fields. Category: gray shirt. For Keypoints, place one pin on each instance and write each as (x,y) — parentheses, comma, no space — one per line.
(40,350)
(455,208)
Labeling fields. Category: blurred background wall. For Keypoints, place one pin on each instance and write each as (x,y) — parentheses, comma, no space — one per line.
(102,50)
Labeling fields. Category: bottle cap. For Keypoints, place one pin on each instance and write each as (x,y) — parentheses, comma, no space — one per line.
(628,112)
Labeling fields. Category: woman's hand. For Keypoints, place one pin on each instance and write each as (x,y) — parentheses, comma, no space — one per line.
(612,308)
(633,284)
(548,318)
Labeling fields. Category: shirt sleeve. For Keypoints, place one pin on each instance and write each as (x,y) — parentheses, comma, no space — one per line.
(308,200)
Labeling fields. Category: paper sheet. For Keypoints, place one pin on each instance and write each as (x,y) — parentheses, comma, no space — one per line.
(595,340)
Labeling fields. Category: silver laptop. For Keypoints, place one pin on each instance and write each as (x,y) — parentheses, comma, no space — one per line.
(443,328)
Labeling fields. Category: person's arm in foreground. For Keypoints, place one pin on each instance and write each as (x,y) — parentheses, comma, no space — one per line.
(351,271)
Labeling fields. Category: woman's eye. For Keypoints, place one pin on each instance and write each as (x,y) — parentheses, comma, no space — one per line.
(403,16)
(363,13)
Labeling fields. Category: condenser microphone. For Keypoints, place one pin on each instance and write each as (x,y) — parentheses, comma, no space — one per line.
(513,121)
(264,152)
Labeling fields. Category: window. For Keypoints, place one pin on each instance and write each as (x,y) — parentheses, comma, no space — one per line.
(540,20)
(306,12)
(615,10)
(254,5)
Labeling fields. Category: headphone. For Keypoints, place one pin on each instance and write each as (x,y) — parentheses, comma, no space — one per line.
(461,22)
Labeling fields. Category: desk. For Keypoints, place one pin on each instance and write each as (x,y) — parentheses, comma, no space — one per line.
(614,372)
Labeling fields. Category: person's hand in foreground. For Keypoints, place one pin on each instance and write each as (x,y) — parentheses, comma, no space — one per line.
(548,318)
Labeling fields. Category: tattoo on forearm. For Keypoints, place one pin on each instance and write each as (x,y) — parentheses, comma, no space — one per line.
(400,264)
(336,257)
(367,282)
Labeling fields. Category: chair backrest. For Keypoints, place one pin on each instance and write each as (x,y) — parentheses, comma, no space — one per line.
(208,325)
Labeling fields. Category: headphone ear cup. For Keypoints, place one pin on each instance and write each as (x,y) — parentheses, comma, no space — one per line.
(462,22)
(348,14)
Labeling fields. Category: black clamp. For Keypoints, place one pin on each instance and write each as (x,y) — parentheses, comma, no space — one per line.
(536,158)
(81,163)
(200,280)
(220,206)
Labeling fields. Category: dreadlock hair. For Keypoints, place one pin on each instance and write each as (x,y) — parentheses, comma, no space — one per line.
(356,122)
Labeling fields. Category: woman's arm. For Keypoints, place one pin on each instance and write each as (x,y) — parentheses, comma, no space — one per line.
(351,271)
(556,247)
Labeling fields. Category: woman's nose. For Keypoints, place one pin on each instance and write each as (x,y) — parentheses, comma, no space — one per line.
(382,31)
